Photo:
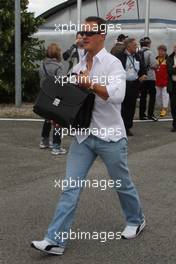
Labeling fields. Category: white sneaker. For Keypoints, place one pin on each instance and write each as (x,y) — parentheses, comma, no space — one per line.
(47,247)
(50,144)
(132,231)
(45,143)
(59,151)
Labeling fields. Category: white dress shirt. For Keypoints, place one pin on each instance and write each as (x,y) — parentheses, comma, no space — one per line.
(106,122)
(81,53)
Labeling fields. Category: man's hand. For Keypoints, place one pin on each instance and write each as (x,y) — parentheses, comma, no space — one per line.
(83,79)
(54,124)
(143,78)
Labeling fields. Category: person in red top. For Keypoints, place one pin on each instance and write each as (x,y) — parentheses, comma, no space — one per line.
(162,97)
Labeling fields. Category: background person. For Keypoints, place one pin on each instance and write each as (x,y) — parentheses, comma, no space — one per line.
(75,53)
(119,46)
(162,97)
(171,62)
(135,72)
(148,86)
(51,65)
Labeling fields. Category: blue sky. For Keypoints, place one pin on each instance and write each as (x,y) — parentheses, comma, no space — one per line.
(40,6)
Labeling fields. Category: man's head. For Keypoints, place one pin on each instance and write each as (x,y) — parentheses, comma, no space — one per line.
(131,45)
(94,32)
(79,40)
(145,42)
(121,38)
(162,50)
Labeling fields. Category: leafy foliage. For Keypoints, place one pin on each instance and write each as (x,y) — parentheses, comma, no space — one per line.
(32,50)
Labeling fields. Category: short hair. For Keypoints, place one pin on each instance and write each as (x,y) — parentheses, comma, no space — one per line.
(102,25)
(128,41)
(54,51)
(145,41)
(121,37)
(163,47)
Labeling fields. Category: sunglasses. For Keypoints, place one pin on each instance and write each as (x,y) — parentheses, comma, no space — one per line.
(89,33)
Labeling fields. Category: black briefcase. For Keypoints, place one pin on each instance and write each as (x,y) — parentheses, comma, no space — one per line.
(68,104)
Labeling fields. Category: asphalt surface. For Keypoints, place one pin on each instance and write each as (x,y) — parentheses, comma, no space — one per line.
(28,199)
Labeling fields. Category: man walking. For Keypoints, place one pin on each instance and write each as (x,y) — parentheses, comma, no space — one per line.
(110,147)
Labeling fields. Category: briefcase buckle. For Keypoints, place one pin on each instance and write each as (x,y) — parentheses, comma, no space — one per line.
(56,101)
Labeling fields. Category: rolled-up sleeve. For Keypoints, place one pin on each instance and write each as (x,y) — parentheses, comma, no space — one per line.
(116,85)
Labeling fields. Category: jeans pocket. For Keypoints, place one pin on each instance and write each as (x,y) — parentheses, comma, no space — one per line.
(123,147)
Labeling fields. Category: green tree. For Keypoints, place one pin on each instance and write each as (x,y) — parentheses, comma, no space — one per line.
(32,50)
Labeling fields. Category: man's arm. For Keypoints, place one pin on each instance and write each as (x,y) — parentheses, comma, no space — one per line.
(84,81)
(114,90)
(68,52)
(100,90)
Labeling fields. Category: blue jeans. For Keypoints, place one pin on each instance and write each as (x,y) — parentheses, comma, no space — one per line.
(80,158)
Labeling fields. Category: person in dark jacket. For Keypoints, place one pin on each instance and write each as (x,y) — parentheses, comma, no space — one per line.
(171,88)
(75,53)
(119,46)
(52,66)
(135,72)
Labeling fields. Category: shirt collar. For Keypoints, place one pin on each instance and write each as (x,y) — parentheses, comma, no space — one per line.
(100,55)
(129,54)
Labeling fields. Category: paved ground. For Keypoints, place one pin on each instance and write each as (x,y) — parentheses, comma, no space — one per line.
(28,199)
